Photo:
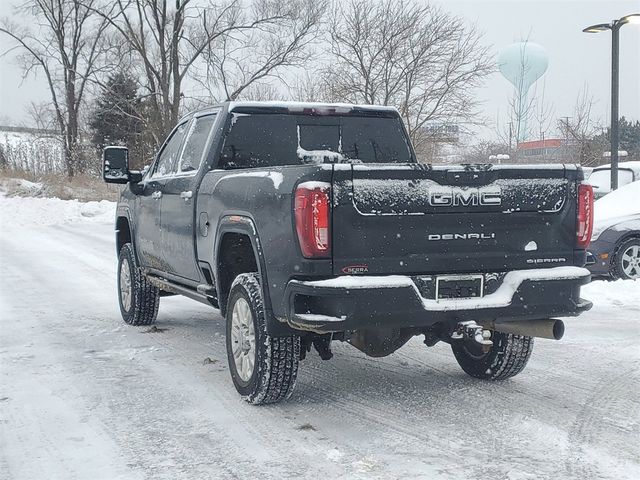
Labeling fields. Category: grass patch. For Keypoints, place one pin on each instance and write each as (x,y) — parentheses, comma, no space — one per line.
(84,188)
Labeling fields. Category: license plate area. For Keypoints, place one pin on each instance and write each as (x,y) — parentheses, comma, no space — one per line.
(459,286)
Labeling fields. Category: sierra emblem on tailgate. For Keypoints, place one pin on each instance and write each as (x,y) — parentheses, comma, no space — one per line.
(355,269)
(456,196)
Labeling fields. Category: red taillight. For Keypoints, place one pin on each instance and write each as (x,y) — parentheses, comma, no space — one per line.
(312,219)
(584,226)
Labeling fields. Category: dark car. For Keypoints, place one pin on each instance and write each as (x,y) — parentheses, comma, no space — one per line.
(615,244)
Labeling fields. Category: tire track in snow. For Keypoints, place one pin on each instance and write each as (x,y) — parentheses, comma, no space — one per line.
(594,416)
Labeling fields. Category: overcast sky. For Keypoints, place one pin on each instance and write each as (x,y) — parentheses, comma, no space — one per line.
(576,59)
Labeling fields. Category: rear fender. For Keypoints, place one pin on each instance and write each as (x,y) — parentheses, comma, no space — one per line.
(244,225)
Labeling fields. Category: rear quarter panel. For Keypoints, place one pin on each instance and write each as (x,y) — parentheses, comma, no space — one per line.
(265,196)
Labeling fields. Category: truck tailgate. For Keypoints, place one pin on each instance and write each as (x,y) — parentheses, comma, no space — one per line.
(420,219)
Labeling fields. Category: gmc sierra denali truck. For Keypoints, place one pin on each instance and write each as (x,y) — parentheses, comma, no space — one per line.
(309,223)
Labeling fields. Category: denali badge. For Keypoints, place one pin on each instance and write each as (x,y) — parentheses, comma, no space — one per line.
(461,236)
(456,196)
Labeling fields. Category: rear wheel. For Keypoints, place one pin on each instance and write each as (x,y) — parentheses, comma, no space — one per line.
(263,368)
(626,263)
(139,300)
(507,357)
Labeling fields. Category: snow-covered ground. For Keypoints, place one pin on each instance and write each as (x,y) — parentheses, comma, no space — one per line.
(83,396)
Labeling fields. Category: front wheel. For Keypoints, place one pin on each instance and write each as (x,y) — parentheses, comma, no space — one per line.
(139,300)
(507,357)
(263,368)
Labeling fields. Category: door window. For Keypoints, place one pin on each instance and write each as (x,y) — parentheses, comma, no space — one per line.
(168,159)
(196,143)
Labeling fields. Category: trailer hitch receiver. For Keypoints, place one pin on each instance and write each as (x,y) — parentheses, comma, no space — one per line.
(472,332)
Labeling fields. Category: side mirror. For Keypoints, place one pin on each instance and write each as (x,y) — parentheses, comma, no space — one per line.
(115,165)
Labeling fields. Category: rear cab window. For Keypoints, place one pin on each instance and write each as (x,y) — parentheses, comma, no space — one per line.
(278,139)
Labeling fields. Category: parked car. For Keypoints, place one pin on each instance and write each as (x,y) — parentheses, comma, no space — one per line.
(311,223)
(600,177)
(615,244)
(587,171)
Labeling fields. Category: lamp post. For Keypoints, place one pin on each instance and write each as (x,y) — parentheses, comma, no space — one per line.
(614,26)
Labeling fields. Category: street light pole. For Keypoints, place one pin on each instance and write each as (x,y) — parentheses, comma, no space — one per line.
(614,26)
(615,94)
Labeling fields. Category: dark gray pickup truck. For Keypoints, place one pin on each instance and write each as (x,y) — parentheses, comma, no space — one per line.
(308,223)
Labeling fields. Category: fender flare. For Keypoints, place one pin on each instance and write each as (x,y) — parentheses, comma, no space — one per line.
(123,211)
(245,225)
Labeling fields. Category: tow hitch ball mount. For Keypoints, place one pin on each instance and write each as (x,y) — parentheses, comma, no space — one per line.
(471,331)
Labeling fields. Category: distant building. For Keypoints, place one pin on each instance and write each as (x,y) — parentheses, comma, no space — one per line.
(442,132)
(548,150)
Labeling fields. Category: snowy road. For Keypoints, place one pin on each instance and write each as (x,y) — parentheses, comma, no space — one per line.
(83,396)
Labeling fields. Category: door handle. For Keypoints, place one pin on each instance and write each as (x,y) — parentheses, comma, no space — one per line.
(186,195)
(156,195)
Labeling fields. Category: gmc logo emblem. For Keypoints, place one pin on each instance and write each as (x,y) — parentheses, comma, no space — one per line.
(464,197)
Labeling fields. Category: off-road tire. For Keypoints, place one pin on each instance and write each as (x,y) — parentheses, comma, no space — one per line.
(617,269)
(276,358)
(145,298)
(508,357)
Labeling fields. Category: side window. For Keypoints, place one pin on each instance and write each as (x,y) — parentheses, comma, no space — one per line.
(196,143)
(168,160)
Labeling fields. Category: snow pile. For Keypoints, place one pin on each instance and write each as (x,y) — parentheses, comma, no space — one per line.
(21,187)
(52,211)
(621,293)
(623,204)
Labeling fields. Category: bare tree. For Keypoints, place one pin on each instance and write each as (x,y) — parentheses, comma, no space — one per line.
(65,48)
(418,58)
(246,59)
(542,113)
(580,131)
(521,106)
(521,109)
(221,44)
(481,151)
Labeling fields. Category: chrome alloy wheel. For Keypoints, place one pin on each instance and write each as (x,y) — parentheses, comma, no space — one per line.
(631,261)
(125,285)
(243,339)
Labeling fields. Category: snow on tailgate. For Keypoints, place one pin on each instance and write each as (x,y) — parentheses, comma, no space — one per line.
(419,196)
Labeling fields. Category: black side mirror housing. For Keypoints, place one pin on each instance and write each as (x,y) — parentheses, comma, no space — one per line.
(115,165)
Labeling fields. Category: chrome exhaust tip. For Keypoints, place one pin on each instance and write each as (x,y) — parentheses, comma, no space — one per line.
(547,328)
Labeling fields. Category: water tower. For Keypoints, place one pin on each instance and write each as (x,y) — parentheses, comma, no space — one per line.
(522,64)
